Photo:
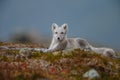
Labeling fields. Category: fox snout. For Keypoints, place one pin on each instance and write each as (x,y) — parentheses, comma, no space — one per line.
(59,38)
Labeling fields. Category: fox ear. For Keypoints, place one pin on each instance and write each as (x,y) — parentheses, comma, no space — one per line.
(54,26)
(65,26)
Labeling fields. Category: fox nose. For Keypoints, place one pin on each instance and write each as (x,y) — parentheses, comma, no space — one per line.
(58,38)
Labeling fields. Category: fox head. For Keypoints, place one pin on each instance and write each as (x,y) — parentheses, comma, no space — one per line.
(59,33)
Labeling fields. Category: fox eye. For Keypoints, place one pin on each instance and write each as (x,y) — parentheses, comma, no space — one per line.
(62,32)
(56,32)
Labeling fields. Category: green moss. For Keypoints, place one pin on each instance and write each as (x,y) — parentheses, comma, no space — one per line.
(12,52)
(20,77)
(51,57)
(36,54)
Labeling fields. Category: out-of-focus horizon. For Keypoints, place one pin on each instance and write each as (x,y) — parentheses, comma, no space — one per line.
(98,21)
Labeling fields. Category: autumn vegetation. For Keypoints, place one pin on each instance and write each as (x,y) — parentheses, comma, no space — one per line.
(35,65)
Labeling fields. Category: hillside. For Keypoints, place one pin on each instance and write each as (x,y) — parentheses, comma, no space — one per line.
(27,64)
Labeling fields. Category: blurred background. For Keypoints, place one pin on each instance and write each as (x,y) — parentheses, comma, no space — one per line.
(98,21)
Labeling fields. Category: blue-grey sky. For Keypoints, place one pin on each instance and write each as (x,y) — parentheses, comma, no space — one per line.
(96,20)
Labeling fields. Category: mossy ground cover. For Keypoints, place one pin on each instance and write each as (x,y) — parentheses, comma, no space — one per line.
(57,65)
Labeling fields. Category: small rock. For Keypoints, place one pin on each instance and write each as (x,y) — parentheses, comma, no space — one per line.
(56,53)
(23,50)
(92,73)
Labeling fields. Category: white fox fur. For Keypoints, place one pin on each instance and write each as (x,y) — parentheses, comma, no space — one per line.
(61,42)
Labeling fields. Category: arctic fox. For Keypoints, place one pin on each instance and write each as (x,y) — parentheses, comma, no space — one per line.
(61,42)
